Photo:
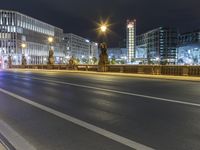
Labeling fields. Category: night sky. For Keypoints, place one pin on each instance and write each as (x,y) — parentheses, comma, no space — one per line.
(80,16)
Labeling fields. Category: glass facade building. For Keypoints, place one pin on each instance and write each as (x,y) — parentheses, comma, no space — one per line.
(131,39)
(158,45)
(117,53)
(79,47)
(189,48)
(17,29)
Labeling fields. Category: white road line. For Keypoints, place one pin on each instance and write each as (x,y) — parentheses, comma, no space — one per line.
(81,123)
(3,147)
(115,91)
(17,141)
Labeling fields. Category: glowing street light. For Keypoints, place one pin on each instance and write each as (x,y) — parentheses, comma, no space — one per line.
(23,45)
(51,51)
(103,28)
(50,39)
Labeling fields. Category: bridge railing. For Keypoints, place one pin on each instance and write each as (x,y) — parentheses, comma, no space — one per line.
(137,69)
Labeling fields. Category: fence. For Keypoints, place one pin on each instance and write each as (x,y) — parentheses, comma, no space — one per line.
(137,69)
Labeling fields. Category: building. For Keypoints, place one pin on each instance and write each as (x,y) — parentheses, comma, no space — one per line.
(189,38)
(189,48)
(17,29)
(94,50)
(158,45)
(131,39)
(117,53)
(79,47)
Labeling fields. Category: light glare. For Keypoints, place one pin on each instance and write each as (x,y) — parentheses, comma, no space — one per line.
(103,28)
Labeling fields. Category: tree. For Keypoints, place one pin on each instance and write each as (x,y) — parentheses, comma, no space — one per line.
(113,60)
(133,60)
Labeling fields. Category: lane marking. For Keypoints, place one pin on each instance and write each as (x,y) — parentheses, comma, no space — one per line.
(17,141)
(98,130)
(114,91)
(2,147)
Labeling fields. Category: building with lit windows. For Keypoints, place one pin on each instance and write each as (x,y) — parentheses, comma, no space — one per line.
(24,35)
(79,47)
(131,39)
(158,45)
(189,48)
(117,53)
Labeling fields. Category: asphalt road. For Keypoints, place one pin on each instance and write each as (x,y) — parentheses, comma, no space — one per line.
(112,112)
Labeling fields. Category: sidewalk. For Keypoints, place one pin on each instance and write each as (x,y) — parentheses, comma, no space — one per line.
(165,77)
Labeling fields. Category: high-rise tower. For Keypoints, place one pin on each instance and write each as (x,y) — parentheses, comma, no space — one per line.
(131,39)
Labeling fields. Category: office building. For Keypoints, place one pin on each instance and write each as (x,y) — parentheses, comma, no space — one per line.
(117,53)
(189,37)
(189,48)
(131,39)
(17,29)
(158,45)
(79,47)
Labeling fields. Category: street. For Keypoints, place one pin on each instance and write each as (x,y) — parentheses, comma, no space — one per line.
(49,110)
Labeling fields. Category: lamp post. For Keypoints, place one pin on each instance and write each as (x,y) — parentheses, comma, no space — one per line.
(50,40)
(104,28)
(103,58)
(51,52)
(23,46)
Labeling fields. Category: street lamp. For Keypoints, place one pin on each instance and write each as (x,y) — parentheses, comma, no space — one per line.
(50,40)
(51,52)
(23,45)
(103,58)
(24,62)
(103,28)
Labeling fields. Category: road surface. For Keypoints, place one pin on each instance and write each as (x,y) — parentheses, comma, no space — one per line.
(74,111)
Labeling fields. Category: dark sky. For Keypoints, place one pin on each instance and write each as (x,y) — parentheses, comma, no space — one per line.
(79,16)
